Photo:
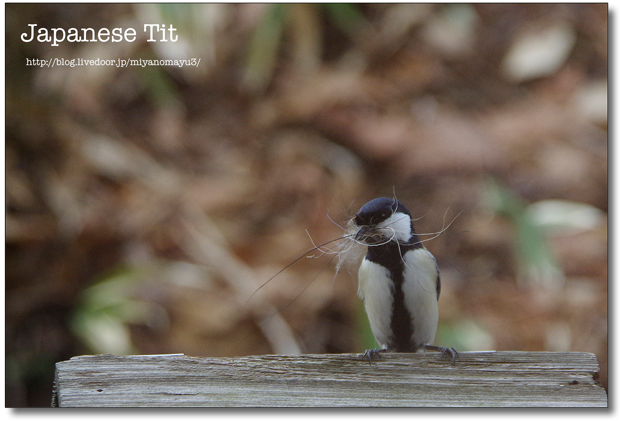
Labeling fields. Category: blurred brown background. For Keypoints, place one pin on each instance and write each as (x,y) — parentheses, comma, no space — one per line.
(144,206)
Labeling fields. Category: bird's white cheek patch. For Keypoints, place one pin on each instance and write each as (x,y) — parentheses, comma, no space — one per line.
(399,225)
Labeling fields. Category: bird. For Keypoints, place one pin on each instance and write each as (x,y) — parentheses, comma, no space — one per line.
(399,280)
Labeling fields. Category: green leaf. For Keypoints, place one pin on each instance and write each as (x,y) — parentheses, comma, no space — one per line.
(536,263)
(264,47)
(347,17)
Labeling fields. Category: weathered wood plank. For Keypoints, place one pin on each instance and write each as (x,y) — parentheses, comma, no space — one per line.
(421,379)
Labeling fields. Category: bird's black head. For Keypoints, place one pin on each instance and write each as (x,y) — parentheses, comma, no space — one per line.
(384,218)
(378,210)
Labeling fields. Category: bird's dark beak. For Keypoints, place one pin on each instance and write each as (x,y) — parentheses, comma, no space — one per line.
(364,232)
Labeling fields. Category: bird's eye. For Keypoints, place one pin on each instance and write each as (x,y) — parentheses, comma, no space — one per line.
(382,215)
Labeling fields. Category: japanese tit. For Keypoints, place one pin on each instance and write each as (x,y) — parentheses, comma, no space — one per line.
(398,280)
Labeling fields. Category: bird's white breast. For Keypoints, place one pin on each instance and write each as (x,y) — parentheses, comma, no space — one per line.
(376,288)
(420,290)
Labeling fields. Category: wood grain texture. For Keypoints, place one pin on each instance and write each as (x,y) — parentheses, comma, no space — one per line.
(495,379)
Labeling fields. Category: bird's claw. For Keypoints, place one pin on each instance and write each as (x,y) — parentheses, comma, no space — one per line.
(370,353)
(446,350)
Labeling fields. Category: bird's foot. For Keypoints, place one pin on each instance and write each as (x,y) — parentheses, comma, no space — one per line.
(372,353)
(445,351)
